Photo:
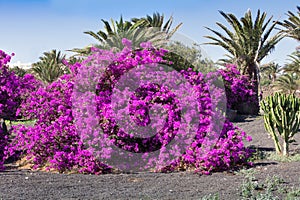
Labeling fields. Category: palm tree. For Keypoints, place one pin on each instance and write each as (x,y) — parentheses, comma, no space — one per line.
(286,83)
(19,71)
(108,38)
(292,25)
(293,69)
(271,70)
(294,66)
(50,67)
(248,43)
(137,30)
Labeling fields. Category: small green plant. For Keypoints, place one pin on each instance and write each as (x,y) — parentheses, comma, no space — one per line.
(247,189)
(273,183)
(211,197)
(249,183)
(247,173)
(280,158)
(265,155)
(253,190)
(271,188)
(293,194)
(281,113)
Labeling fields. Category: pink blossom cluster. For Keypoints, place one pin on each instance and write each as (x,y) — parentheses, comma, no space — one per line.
(239,89)
(13,90)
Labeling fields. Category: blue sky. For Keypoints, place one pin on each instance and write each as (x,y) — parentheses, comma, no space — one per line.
(29,28)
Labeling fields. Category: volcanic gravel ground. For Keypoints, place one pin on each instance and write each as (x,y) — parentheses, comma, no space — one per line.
(26,184)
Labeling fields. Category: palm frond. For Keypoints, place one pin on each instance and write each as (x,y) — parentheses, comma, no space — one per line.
(50,67)
(291,26)
(247,41)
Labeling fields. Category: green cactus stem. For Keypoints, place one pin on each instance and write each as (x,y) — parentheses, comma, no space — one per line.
(281,119)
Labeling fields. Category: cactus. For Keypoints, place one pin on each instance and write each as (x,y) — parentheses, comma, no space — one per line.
(281,113)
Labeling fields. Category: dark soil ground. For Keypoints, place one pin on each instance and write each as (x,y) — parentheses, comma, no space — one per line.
(26,184)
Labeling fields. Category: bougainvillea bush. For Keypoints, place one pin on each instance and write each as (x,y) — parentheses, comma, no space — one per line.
(13,90)
(53,140)
(88,122)
(239,89)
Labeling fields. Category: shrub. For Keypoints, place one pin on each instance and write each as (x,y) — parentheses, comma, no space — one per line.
(14,90)
(79,117)
(238,87)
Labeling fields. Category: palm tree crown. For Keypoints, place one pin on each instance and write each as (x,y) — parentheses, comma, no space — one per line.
(248,42)
(157,21)
(294,66)
(286,83)
(271,70)
(292,25)
(137,30)
(50,67)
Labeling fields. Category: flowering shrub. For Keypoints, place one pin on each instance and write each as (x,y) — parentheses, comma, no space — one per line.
(13,90)
(216,147)
(4,59)
(9,94)
(84,122)
(53,140)
(238,87)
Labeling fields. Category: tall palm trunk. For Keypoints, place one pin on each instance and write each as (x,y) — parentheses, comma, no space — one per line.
(253,72)
(251,106)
